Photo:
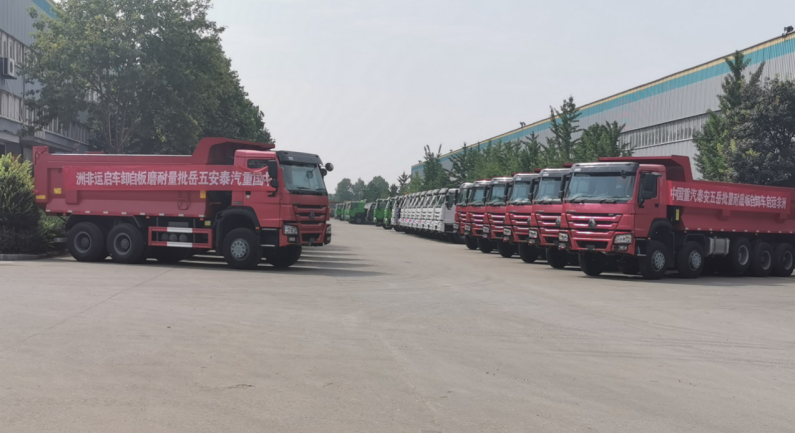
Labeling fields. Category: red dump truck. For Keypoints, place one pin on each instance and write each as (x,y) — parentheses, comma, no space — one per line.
(242,199)
(473,229)
(494,217)
(461,211)
(649,215)
(518,213)
(547,221)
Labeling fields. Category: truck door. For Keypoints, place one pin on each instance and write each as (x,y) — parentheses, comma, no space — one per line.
(648,200)
(261,198)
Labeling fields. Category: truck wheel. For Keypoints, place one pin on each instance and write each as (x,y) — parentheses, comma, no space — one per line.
(506,249)
(471,242)
(739,258)
(485,246)
(690,260)
(593,264)
(528,253)
(761,259)
(783,260)
(629,265)
(86,242)
(556,258)
(241,249)
(652,266)
(358,220)
(285,257)
(126,244)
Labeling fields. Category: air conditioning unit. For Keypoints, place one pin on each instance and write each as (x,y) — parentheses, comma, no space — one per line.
(8,68)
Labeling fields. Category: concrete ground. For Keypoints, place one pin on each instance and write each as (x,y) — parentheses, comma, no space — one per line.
(387,332)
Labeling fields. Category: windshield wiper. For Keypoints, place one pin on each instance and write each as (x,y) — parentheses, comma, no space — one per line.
(609,200)
(574,200)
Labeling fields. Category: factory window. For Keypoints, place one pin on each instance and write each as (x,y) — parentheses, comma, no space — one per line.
(679,130)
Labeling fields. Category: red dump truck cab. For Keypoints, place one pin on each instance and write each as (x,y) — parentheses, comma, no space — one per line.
(519,211)
(244,200)
(648,215)
(461,208)
(476,213)
(547,220)
(494,217)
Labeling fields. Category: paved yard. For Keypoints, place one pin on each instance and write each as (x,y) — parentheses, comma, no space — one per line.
(386,332)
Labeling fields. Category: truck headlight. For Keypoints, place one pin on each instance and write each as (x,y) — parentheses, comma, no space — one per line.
(328,229)
(532,234)
(290,230)
(623,239)
(563,237)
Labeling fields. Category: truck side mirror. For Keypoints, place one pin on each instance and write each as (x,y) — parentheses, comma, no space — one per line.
(329,166)
(273,172)
(561,194)
(530,196)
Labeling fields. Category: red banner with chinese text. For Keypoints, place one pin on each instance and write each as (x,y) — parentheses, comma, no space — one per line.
(166,178)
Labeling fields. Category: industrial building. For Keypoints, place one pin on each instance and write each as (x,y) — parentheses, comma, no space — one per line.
(16,27)
(662,116)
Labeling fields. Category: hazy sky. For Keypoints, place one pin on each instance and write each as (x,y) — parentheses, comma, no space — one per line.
(367,83)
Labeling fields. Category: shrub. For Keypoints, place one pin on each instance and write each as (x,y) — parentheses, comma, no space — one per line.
(18,208)
(24,229)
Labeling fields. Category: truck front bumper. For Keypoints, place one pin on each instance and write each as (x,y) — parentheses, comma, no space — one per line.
(583,240)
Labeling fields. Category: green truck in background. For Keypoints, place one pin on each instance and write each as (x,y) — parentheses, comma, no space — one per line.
(355,212)
(379,212)
(390,204)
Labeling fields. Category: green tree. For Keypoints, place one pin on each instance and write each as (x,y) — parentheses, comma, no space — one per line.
(563,123)
(533,155)
(394,190)
(377,188)
(463,164)
(714,141)
(764,135)
(150,75)
(434,174)
(358,189)
(403,183)
(344,191)
(601,140)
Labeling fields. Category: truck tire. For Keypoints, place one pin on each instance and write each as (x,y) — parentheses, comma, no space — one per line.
(593,264)
(471,242)
(556,258)
(285,257)
(690,260)
(629,265)
(358,220)
(528,253)
(241,249)
(761,259)
(170,255)
(506,249)
(485,246)
(652,266)
(783,260)
(126,244)
(86,242)
(739,258)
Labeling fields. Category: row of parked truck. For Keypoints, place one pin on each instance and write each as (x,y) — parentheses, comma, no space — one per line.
(635,215)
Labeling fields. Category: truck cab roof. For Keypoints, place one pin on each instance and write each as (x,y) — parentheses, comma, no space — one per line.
(605,167)
(554,172)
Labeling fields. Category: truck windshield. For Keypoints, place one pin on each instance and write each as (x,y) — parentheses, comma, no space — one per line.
(381,204)
(463,195)
(601,188)
(548,190)
(521,191)
(477,196)
(497,196)
(303,179)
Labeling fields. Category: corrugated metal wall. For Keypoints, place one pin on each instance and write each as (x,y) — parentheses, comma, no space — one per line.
(661,116)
